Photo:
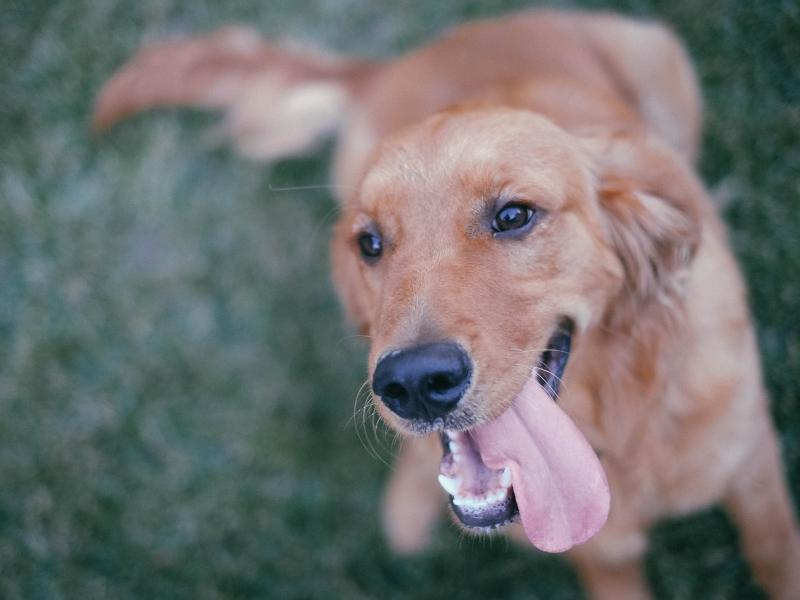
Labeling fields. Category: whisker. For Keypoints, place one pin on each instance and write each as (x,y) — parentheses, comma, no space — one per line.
(344,338)
(377,424)
(367,409)
(538,350)
(311,242)
(561,383)
(355,401)
(297,188)
(367,413)
(356,412)
(373,442)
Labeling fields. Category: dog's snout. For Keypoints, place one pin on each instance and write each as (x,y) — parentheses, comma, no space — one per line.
(423,382)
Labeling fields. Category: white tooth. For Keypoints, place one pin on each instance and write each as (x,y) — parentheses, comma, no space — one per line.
(468,501)
(450,484)
(505,477)
(455,447)
(459,501)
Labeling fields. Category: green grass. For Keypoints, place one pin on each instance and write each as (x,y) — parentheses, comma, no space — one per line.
(176,384)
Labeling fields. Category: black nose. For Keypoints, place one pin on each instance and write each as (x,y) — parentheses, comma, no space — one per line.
(423,382)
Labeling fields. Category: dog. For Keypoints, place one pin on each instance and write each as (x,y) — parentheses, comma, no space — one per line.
(556,319)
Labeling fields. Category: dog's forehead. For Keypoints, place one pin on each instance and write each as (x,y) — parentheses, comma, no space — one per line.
(471,156)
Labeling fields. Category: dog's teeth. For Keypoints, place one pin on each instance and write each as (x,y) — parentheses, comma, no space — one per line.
(454,447)
(467,501)
(481,502)
(505,477)
(450,484)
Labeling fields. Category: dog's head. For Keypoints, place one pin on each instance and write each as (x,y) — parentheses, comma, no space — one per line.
(482,244)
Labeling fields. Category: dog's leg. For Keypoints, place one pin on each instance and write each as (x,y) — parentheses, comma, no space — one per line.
(414,501)
(759,503)
(610,564)
(612,581)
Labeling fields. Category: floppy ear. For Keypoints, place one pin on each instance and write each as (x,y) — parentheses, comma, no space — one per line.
(347,280)
(651,207)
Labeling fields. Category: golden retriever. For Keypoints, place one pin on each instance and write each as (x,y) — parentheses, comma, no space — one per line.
(549,294)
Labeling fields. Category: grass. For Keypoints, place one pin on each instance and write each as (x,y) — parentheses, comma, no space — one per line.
(176,385)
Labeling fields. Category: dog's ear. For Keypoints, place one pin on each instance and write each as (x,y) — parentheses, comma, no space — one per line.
(651,207)
(347,279)
(277,100)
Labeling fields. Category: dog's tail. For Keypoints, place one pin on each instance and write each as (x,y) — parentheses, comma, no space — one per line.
(277,101)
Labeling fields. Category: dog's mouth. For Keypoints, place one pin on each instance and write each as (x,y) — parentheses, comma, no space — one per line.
(530,464)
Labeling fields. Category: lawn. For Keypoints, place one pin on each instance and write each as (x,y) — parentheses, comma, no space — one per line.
(177,386)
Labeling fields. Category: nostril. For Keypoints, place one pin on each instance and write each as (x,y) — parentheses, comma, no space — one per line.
(396,392)
(440,383)
(444,389)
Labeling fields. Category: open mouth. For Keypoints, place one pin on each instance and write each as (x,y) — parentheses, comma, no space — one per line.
(530,464)
(481,498)
(550,368)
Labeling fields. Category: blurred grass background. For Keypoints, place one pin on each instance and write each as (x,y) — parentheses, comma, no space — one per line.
(176,383)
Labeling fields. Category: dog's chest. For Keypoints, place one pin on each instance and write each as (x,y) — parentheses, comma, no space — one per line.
(658,461)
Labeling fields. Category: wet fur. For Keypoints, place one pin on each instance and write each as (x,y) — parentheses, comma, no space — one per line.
(565,111)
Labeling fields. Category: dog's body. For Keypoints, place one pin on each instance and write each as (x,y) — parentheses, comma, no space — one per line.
(663,379)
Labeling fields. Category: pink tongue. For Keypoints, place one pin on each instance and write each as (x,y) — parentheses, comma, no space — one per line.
(560,487)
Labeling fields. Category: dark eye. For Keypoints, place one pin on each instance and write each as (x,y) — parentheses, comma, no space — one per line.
(371,245)
(512,217)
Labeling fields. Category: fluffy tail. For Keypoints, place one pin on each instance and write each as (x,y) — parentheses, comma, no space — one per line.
(277,101)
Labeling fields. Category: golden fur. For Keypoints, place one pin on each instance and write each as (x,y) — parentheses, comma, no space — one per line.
(566,111)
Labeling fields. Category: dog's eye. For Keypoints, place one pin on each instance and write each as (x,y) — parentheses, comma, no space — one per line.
(512,217)
(371,245)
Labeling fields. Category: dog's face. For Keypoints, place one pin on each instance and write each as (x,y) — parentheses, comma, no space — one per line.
(479,229)
(480,241)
